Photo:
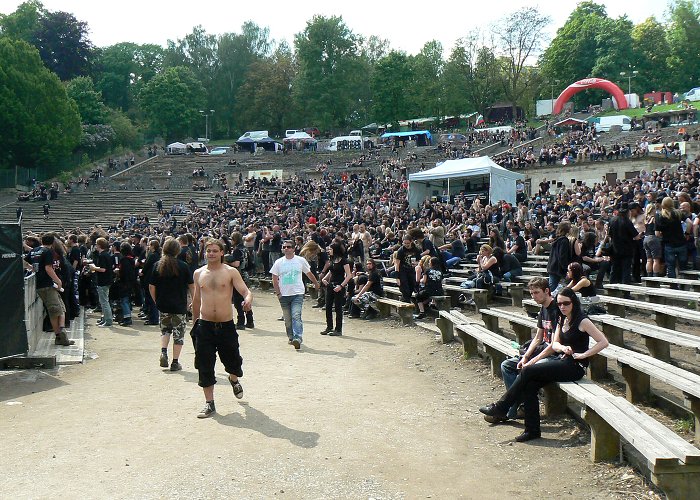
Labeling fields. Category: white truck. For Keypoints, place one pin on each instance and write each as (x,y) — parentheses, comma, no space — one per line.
(603,123)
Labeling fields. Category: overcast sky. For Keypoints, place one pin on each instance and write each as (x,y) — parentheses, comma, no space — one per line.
(407,25)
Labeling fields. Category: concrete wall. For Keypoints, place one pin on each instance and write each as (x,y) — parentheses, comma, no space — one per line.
(33,313)
(590,172)
(692,150)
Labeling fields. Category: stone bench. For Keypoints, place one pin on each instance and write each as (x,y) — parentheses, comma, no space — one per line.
(657,281)
(404,310)
(658,295)
(664,315)
(480,295)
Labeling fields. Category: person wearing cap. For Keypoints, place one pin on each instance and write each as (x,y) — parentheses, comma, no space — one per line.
(623,236)
(637,217)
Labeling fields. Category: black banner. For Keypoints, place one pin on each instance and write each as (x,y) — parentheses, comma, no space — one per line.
(13,334)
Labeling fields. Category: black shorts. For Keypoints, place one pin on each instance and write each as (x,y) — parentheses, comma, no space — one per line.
(212,338)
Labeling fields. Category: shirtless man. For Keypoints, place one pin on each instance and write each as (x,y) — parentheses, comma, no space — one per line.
(215,330)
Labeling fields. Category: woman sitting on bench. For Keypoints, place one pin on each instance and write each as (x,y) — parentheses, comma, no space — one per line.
(580,284)
(571,340)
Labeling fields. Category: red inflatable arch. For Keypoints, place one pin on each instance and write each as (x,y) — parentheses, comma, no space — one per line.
(590,83)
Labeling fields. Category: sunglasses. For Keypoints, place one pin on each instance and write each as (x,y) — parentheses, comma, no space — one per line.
(287,246)
(564,303)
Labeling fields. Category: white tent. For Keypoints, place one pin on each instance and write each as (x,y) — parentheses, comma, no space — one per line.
(452,176)
(176,148)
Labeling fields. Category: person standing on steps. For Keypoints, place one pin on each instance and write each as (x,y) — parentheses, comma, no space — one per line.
(169,287)
(49,286)
(287,280)
(336,281)
(215,331)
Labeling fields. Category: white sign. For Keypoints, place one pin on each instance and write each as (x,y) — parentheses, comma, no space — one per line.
(259,174)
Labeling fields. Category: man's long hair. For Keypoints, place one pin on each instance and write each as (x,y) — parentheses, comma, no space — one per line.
(167,265)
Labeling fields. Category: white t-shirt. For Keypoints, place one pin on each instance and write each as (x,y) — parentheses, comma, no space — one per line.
(289,272)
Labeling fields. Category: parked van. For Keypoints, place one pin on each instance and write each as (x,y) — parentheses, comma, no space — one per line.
(345,142)
(291,132)
(356,133)
(693,94)
(255,135)
(603,123)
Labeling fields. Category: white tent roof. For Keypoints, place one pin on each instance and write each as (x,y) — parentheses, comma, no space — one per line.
(177,145)
(465,167)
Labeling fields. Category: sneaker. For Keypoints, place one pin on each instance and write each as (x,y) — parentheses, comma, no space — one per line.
(335,333)
(250,324)
(104,325)
(237,388)
(421,315)
(208,410)
(240,326)
(469,302)
(163,360)
(297,344)
(126,322)
(175,366)
(326,331)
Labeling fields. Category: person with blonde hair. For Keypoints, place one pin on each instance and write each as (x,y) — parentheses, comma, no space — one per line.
(652,243)
(669,227)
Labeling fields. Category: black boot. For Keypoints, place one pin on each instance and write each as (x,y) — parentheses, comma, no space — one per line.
(249,319)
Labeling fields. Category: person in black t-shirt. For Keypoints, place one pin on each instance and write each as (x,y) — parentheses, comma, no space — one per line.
(171,288)
(405,273)
(432,286)
(239,258)
(369,292)
(336,280)
(49,285)
(102,266)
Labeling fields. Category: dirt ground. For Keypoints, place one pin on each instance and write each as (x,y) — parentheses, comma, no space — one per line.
(384,412)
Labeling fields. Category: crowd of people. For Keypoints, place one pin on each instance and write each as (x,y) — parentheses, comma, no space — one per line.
(355,230)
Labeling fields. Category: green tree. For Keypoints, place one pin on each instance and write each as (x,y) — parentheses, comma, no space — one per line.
(427,91)
(40,124)
(615,49)
(23,23)
(684,45)
(171,102)
(455,80)
(122,69)
(572,54)
(236,53)
(649,56)
(64,45)
(264,99)
(126,134)
(329,74)
(393,74)
(90,106)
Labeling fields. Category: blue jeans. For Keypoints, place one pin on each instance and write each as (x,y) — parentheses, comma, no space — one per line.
(554,280)
(291,310)
(509,370)
(450,260)
(103,295)
(673,255)
(126,306)
(511,275)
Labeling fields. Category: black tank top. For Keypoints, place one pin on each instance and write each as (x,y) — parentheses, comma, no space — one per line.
(575,338)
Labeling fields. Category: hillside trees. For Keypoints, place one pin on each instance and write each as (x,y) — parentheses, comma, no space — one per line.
(40,123)
(171,102)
